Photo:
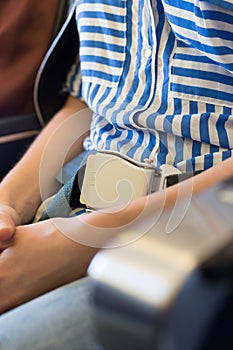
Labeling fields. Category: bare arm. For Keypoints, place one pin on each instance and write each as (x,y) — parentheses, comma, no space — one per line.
(48,254)
(164,199)
(20,189)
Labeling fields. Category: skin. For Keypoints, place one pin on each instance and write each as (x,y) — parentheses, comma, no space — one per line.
(39,257)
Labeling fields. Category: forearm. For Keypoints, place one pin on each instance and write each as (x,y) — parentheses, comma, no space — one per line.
(58,142)
(148,206)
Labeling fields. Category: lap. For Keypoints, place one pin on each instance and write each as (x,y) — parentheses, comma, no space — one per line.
(57,320)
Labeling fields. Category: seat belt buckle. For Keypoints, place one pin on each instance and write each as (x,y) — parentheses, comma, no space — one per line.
(111,180)
(167,170)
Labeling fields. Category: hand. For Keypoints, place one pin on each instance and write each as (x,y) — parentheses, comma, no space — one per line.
(40,259)
(8,221)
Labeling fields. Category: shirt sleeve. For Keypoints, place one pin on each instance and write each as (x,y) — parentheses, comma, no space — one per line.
(227,4)
(206,25)
(73,83)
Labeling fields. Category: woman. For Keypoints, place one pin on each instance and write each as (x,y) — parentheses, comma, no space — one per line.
(158,78)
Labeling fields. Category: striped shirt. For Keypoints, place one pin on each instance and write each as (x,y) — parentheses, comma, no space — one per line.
(158,75)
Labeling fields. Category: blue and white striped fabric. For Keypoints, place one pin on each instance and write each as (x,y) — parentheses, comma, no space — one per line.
(158,75)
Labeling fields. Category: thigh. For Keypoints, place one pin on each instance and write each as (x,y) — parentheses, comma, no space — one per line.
(57,320)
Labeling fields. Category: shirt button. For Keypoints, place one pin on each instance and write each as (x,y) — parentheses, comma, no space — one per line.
(147,53)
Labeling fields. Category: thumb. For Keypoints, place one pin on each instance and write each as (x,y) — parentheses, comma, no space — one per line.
(8,220)
(7,227)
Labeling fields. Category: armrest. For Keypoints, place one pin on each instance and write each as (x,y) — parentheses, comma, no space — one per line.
(166,291)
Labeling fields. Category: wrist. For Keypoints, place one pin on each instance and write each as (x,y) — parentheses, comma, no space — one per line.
(12,205)
(23,206)
(10,211)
